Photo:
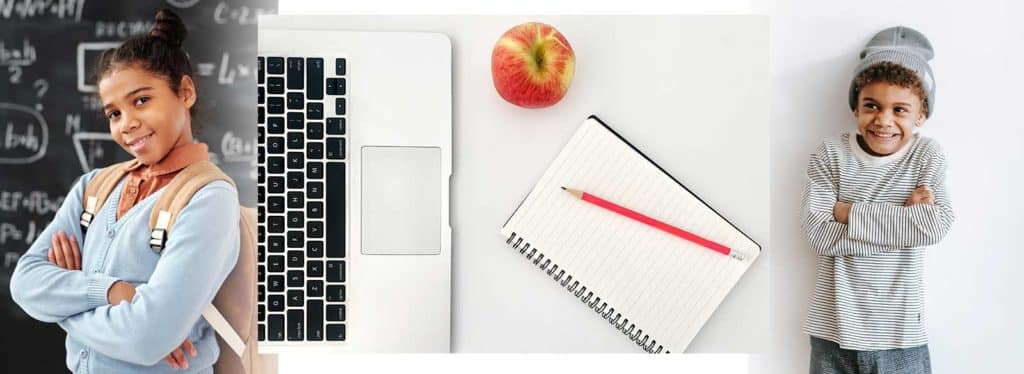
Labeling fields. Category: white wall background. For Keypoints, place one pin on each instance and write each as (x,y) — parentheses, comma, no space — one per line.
(973,296)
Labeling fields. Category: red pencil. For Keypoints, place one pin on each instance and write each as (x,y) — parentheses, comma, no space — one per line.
(654,223)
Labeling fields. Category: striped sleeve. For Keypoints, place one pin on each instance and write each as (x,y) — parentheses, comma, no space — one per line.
(915,226)
(826,236)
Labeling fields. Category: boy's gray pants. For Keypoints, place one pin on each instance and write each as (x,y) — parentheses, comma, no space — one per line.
(828,358)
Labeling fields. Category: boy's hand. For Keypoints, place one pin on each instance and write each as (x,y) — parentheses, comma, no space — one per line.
(921,195)
(841,212)
(120,291)
(64,252)
(177,358)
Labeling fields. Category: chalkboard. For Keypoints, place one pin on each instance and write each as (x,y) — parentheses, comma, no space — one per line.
(52,129)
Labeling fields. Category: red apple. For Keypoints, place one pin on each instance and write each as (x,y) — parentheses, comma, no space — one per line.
(532,65)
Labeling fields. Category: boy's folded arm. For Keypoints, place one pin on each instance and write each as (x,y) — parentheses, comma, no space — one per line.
(47,292)
(826,236)
(201,250)
(915,226)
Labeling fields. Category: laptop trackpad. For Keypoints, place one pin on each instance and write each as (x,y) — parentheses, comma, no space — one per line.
(401,200)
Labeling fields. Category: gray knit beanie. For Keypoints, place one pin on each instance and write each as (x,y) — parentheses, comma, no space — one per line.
(903,46)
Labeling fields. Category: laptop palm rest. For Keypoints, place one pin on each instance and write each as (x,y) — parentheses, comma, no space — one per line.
(401,200)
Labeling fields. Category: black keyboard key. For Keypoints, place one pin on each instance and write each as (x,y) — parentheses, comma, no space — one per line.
(260,61)
(275,65)
(295,200)
(261,294)
(275,125)
(295,73)
(275,184)
(336,86)
(275,204)
(335,205)
(315,78)
(315,268)
(296,180)
(296,120)
(275,244)
(336,313)
(336,293)
(339,106)
(261,273)
(315,110)
(275,327)
(336,126)
(315,288)
(275,303)
(275,145)
(295,159)
(335,271)
(261,312)
(339,66)
(315,170)
(262,332)
(336,148)
(296,327)
(336,332)
(296,259)
(295,239)
(296,279)
(275,85)
(315,249)
(315,130)
(275,264)
(295,141)
(275,105)
(315,209)
(315,150)
(275,165)
(315,229)
(295,220)
(315,320)
(259,95)
(315,190)
(296,298)
(295,101)
(260,115)
(275,283)
(275,224)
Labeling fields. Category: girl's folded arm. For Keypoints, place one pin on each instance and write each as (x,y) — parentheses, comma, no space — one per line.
(45,291)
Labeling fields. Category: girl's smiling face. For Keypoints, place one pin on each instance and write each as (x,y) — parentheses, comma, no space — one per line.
(887,115)
(147,118)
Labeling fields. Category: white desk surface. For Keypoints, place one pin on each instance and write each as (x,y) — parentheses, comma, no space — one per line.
(691,92)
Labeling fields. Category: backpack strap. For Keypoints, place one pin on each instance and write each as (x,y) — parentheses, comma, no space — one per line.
(98,189)
(175,197)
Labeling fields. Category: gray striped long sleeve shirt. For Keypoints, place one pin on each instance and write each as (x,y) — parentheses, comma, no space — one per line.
(869,293)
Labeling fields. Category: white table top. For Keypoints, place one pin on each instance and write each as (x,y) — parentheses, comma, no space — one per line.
(690,92)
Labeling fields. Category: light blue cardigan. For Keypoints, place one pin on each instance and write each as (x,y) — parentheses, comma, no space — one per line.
(171,288)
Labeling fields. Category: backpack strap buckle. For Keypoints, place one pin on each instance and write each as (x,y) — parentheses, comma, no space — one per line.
(158,237)
(88,213)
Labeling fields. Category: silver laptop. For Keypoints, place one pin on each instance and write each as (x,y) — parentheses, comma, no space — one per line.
(355,157)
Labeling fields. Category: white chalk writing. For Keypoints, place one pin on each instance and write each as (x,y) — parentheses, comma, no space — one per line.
(11,232)
(121,29)
(25,9)
(242,15)
(17,55)
(35,202)
(236,148)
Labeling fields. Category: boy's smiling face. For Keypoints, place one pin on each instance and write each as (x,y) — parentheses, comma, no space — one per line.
(147,118)
(887,115)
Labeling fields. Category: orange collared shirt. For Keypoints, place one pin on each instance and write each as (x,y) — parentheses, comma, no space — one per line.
(144,180)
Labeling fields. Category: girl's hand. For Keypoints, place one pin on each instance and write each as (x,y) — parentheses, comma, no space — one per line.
(177,358)
(921,195)
(64,251)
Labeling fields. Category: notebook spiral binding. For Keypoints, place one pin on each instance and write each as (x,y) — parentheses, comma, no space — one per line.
(617,320)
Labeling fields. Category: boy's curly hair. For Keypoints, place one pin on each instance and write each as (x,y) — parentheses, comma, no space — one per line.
(895,74)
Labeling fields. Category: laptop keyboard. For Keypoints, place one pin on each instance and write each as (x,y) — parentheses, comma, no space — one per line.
(301,191)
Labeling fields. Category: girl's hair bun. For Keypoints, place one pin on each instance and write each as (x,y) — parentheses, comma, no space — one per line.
(169,28)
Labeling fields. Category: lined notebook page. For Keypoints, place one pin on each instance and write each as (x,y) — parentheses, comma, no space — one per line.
(665,285)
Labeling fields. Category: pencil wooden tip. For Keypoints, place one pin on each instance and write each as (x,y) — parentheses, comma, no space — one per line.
(577,193)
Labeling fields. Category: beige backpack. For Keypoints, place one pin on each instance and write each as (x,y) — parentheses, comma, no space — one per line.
(233,312)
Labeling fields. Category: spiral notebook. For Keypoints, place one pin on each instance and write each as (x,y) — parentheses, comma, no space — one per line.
(656,288)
